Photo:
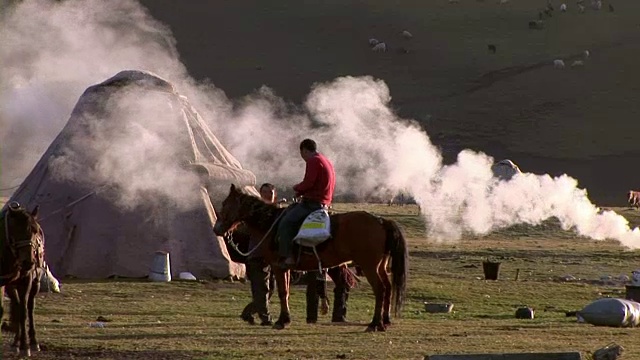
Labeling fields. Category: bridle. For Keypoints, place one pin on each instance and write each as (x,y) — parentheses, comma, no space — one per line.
(228,237)
(35,241)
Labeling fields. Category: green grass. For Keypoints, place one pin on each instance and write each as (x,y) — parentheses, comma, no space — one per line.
(201,320)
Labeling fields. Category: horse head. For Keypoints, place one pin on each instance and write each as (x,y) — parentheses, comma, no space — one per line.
(22,235)
(233,212)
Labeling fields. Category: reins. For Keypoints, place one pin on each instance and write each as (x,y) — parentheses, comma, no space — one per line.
(229,238)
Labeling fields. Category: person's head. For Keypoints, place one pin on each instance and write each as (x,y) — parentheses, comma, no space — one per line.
(268,193)
(308,148)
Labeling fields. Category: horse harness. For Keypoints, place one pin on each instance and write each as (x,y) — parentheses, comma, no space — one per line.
(36,241)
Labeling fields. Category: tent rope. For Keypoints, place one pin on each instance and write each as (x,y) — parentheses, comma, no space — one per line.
(229,238)
(70,204)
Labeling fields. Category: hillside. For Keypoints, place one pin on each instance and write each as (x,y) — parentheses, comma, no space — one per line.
(509,104)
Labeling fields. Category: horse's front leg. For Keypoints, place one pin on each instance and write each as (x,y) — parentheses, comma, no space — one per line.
(22,289)
(35,288)
(282,279)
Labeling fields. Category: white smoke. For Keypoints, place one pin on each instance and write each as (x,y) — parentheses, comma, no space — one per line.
(51,53)
(375,151)
(132,147)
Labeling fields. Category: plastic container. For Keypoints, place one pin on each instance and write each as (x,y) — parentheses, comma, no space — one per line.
(161,267)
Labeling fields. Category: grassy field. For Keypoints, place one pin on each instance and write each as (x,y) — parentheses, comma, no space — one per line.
(201,319)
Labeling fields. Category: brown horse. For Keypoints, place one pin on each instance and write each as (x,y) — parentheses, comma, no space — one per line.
(21,261)
(367,240)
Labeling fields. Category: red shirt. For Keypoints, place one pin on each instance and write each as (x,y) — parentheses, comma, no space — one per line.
(319,180)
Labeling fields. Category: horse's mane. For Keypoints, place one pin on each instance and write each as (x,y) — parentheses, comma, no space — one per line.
(260,214)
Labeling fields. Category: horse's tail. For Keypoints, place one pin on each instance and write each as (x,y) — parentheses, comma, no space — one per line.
(397,247)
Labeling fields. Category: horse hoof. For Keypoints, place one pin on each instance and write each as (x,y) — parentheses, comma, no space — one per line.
(370,329)
(374,328)
(279,326)
(25,353)
(35,347)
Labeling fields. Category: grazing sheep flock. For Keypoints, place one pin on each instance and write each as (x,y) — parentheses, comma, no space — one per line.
(548,12)
(538,24)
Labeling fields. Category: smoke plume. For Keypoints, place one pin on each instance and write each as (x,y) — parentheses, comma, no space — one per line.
(51,52)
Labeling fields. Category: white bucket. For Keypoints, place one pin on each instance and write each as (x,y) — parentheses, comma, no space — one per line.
(160,268)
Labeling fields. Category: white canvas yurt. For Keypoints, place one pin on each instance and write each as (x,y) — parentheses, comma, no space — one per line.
(135,170)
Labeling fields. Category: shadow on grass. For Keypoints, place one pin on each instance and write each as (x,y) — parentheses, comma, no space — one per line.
(192,335)
(51,351)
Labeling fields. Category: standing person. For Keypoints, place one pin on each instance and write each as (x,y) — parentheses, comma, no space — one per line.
(343,279)
(258,272)
(316,190)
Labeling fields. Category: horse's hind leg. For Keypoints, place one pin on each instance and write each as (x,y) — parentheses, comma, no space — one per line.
(11,323)
(14,314)
(371,273)
(5,325)
(386,301)
(1,307)
(35,288)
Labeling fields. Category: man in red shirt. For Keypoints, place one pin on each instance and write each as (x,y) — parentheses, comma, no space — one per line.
(316,190)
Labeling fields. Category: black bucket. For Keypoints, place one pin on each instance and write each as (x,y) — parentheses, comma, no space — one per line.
(491,270)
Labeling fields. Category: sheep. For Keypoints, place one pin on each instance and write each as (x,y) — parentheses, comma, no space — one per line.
(380,47)
(577,63)
(406,34)
(492,48)
(586,54)
(558,64)
(373,42)
(597,5)
(563,7)
(548,12)
(536,24)
(581,8)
